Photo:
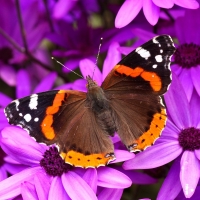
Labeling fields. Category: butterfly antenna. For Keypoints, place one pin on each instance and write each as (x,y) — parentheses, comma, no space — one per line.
(67,67)
(101,40)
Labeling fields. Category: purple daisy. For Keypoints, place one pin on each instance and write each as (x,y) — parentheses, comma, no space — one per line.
(179,142)
(12,56)
(151,8)
(187,55)
(44,165)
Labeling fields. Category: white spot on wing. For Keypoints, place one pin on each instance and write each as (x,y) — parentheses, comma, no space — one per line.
(36,119)
(143,52)
(155,66)
(27,117)
(33,101)
(158,58)
(155,41)
(17,104)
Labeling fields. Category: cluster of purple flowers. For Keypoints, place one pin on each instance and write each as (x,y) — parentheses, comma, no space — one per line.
(33,31)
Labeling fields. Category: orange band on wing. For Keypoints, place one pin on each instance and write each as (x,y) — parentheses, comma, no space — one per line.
(148,138)
(47,122)
(85,161)
(151,77)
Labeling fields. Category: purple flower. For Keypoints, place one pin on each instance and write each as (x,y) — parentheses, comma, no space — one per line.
(83,42)
(151,9)
(179,142)
(71,9)
(187,55)
(48,175)
(35,29)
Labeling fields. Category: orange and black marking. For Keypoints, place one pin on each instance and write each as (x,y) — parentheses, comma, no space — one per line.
(153,79)
(77,159)
(149,137)
(46,125)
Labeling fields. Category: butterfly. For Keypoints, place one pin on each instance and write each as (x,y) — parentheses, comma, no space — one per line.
(128,102)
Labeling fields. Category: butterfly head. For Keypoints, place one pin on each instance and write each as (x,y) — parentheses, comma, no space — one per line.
(90,83)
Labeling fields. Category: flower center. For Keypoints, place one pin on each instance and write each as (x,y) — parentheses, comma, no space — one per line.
(2,155)
(189,139)
(5,54)
(187,55)
(53,164)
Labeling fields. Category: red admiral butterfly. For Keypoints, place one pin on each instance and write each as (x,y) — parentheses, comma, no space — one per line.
(128,102)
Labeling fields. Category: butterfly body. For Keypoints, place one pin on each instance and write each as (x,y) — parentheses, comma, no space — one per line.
(128,102)
(100,106)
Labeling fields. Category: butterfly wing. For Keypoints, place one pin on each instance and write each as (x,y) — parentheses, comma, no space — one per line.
(62,117)
(134,88)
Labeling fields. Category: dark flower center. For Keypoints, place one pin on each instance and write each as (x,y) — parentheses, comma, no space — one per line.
(53,164)
(5,54)
(189,139)
(187,55)
(2,155)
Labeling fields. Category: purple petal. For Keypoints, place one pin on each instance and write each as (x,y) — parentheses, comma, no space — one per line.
(151,11)
(195,196)
(195,71)
(111,178)
(186,82)
(176,69)
(171,185)
(186,27)
(76,187)
(127,12)
(190,173)
(90,178)
(194,106)
(115,138)
(164,3)
(138,177)
(3,173)
(122,155)
(110,194)
(179,25)
(8,71)
(46,84)
(16,141)
(80,85)
(191,26)
(170,130)
(14,168)
(177,104)
(57,190)
(62,7)
(23,84)
(87,67)
(155,156)
(112,58)
(42,184)
(37,34)
(4,100)
(197,153)
(28,191)
(11,186)
(144,35)
(71,64)
(187,4)
(125,50)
